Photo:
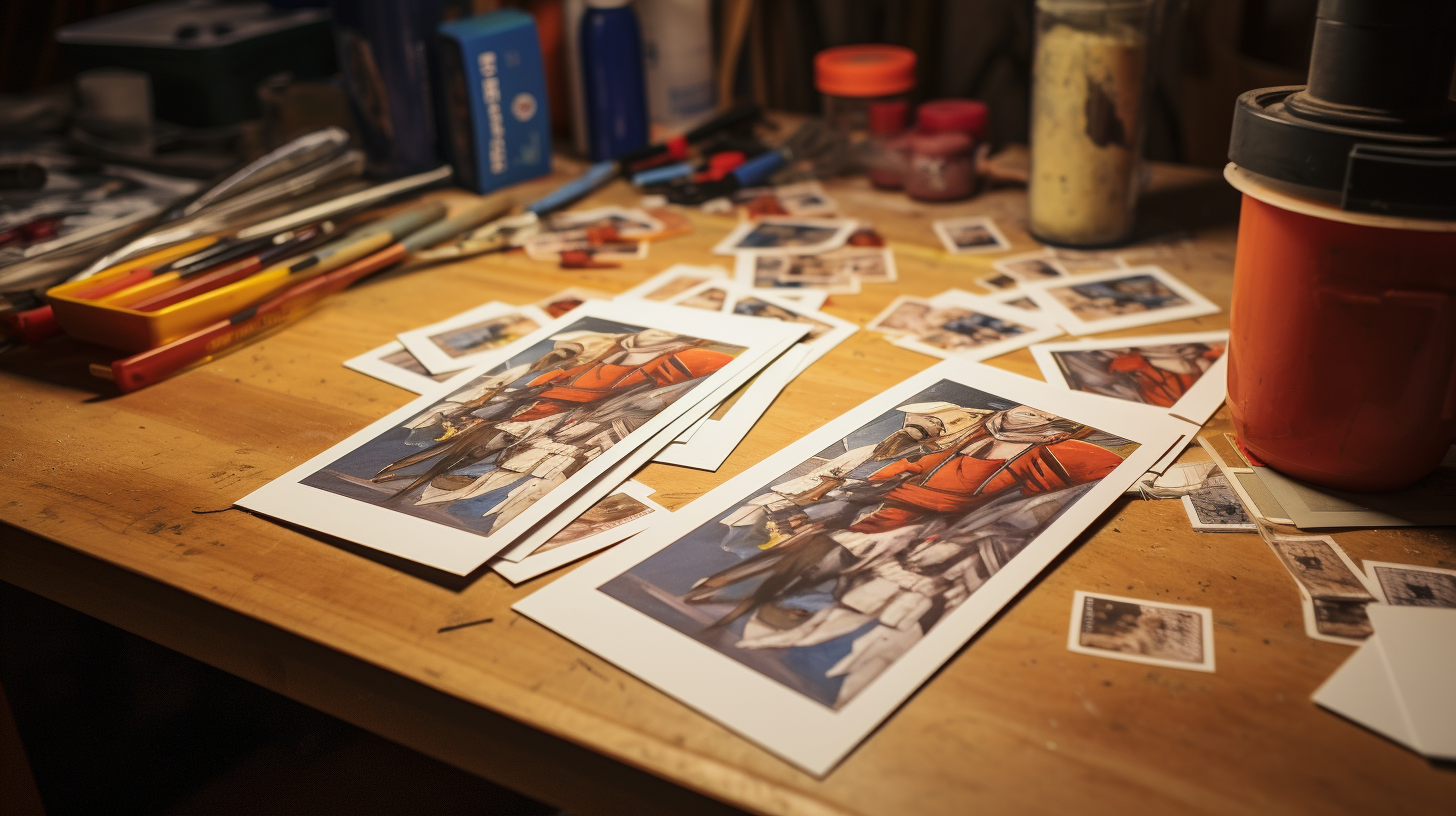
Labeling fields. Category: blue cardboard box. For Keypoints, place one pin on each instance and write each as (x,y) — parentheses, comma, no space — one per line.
(496,124)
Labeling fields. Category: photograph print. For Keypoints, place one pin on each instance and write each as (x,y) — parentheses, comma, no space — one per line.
(1118,299)
(482,462)
(505,439)
(828,573)
(1183,373)
(805,599)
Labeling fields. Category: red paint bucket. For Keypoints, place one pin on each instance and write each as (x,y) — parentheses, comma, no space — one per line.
(1342,356)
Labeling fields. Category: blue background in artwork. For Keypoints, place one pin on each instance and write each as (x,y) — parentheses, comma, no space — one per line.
(698,555)
(368,459)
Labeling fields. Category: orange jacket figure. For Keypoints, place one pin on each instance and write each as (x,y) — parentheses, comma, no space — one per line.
(617,373)
(954,482)
(1159,385)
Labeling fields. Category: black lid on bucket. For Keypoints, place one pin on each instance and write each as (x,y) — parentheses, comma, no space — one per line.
(1376,126)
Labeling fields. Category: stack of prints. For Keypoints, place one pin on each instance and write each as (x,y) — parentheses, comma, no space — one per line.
(503,456)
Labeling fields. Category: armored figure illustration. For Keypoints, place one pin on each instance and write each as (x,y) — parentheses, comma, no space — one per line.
(895,535)
(1163,374)
(590,392)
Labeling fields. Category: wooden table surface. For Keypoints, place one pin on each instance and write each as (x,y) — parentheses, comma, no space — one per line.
(118,506)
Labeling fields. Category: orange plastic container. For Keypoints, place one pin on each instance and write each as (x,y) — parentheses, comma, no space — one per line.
(1342,356)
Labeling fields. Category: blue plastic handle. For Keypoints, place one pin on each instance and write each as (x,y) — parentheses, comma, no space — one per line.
(658,175)
(757,169)
(595,176)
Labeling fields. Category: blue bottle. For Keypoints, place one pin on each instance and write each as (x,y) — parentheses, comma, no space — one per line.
(616,91)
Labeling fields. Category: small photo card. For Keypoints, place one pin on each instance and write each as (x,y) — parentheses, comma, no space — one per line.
(834,273)
(394,364)
(1409,585)
(971,235)
(968,327)
(1333,589)
(825,330)
(628,223)
(999,282)
(567,299)
(673,281)
(807,236)
(1184,373)
(1151,632)
(710,296)
(1031,266)
(1217,509)
(1118,299)
(472,337)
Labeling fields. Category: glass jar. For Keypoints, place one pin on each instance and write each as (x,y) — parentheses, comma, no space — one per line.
(854,77)
(1089,91)
(942,167)
(889,148)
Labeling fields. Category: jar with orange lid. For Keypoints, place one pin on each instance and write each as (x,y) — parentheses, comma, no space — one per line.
(852,78)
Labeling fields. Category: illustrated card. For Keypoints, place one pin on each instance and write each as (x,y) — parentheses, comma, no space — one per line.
(971,235)
(1118,299)
(468,469)
(1409,585)
(710,296)
(999,282)
(673,281)
(787,234)
(624,513)
(626,223)
(394,364)
(832,272)
(1256,498)
(567,299)
(1139,631)
(825,330)
(1334,591)
(971,328)
(1184,373)
(802,601)
(1030,266)
(472,337)
(1215,508)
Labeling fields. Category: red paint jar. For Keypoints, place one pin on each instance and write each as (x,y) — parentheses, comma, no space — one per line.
(1342,356)
(889,148)
(942,167)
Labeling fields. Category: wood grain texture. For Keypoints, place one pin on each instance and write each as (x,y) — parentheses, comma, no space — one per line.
(1013,723)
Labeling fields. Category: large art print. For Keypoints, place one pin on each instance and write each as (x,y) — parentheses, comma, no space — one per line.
(802,601)
(461,473)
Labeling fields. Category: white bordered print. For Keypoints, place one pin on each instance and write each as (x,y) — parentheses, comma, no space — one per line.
(1139,631)
(1186,374)
(808,673)
(1118,299)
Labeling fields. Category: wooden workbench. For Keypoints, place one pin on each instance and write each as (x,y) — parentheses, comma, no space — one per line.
(118,507)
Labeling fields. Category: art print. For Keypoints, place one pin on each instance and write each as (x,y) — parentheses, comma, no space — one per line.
(620,221)
(832,272)
(787,234)
(975,234)
(803,600)
(1184,373)
(1118,299)
(456,476)
(1033,266)
(567,299)
(710,296)
(394,364)
(1139,631)
(971,328)
(472,337)
(825,331)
